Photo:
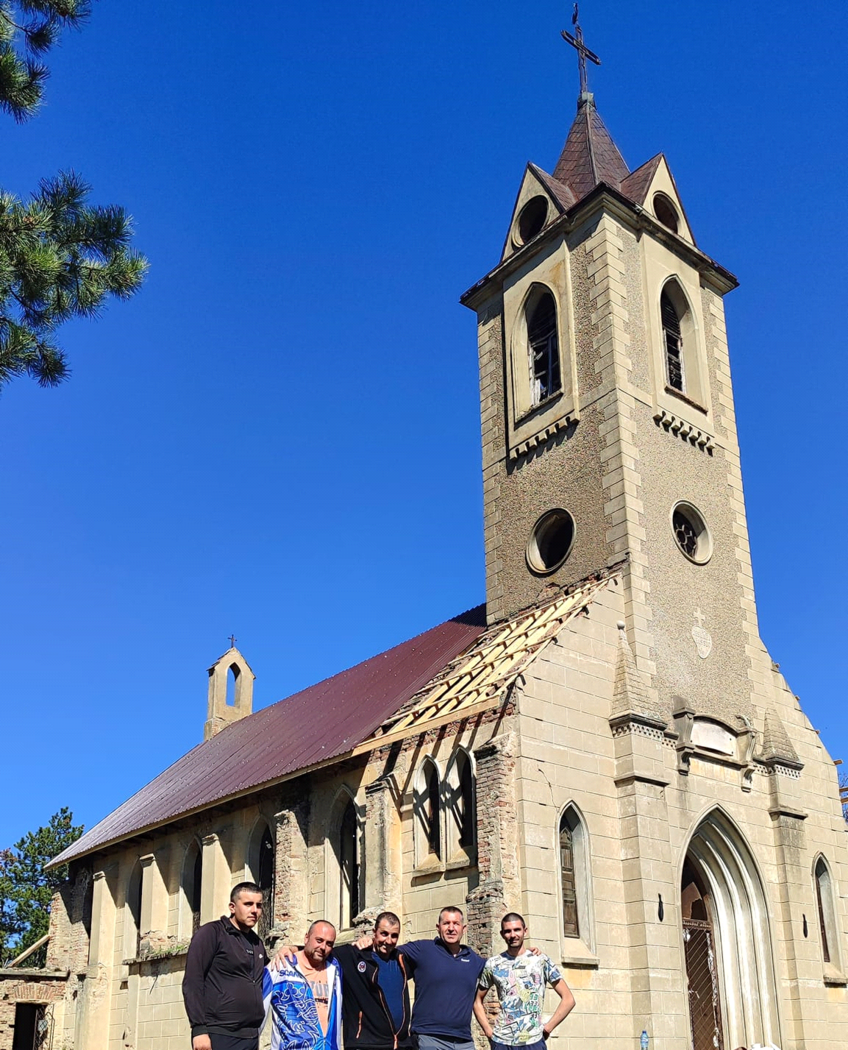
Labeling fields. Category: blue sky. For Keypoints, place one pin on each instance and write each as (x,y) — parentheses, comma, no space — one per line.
(279,435)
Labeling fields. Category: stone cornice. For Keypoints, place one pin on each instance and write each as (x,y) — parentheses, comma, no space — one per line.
(607,198)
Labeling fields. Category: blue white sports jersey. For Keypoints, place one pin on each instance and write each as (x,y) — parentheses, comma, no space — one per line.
(294,1017)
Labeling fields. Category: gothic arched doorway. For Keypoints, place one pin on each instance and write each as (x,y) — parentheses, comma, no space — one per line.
(699,947)
(727,941)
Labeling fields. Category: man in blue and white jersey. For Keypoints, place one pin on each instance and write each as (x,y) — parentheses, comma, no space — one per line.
(304,998)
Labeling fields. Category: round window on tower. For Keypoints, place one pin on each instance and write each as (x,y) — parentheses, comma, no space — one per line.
(531,220)
(551,540)
(666,212)
(691,533)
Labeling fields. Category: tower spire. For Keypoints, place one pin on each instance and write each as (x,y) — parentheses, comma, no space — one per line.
(583,53)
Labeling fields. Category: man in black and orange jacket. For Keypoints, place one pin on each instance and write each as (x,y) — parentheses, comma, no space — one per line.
(376,1010)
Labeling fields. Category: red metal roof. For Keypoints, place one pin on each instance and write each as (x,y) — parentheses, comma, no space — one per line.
(635,186)
(589,156)
(319,723)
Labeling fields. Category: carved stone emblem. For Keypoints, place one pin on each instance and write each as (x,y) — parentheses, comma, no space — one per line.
(703,638)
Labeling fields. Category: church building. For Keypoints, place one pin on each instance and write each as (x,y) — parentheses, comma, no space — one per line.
(605,745)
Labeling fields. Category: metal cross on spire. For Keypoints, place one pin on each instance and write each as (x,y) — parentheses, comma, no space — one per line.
(583,52)
(232,641)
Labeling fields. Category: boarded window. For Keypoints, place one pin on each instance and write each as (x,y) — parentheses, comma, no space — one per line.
(543,342)
(570,920)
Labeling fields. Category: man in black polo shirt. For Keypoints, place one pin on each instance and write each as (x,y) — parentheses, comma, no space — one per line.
(375,1014)
(222,986)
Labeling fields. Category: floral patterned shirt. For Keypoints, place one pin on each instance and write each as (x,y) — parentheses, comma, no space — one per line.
(521,985)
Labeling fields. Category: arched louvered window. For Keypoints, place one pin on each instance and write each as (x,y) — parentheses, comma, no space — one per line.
(543,343)
(672,342)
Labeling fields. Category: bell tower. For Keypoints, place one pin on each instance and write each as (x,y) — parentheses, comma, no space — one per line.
(608,425)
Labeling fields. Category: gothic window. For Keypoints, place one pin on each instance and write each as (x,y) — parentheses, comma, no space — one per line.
(826,914)
(132,913)
(428,813)
(672,342)
(261,864)
(570,918)
(543,343)
(233,674)
(348,866)
(460,801)
(574,879)
(191,883)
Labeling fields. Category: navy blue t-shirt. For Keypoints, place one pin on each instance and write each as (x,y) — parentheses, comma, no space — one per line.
(445,987)
(390,980)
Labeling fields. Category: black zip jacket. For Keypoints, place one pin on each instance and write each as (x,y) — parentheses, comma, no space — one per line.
(222,986)
(366,1018)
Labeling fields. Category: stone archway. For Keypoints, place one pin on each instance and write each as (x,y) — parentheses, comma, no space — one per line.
(699,947)
(727,941)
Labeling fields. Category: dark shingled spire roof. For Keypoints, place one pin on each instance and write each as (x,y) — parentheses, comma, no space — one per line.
(589,156)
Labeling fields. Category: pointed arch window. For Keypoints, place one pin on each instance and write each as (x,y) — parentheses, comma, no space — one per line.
(575,884)
(348,856)
(568,880)
(132,913)
(828,930)
(672,342)
(543,344)
(191,885)
(461,818)
(427,810)
(261,861)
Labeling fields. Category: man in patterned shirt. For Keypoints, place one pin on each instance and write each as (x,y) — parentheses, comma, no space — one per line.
(304,997)
(520,979)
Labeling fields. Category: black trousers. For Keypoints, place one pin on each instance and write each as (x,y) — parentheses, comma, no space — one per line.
(234,1042)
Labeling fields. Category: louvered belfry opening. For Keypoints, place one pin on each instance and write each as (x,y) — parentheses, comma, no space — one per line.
(701,964)
(570,920)
(673,342)
(544,348)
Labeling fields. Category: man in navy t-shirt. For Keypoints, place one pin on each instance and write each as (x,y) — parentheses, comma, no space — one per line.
(445,972)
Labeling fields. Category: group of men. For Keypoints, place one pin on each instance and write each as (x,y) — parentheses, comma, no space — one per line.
(320,994)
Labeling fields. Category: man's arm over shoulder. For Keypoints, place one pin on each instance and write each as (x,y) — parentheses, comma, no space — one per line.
(413,950)
(201,952)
